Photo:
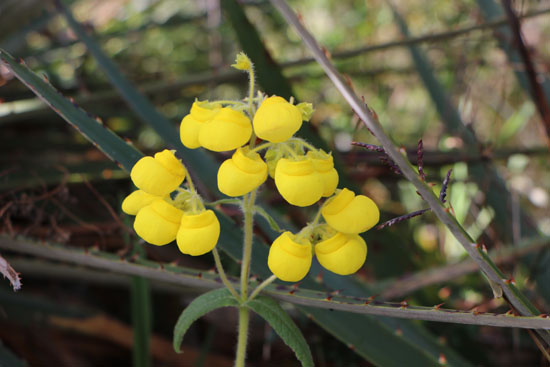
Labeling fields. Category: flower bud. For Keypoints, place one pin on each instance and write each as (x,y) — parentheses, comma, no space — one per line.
(298,182)
(242,173)
(133,203)
(227,130)
(277,120)
(158,222)
(201,112)
(159,175)
(350,214)
(288,260)
(342,254)
(198,233)
(324,165)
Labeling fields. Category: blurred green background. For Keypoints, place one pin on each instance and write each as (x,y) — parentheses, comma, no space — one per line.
(454,79)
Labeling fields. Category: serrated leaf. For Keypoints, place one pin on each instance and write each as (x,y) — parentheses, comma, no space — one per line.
(200,306)
(283,325)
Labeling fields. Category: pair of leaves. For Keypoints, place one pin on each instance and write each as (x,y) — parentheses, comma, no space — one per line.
(266,307)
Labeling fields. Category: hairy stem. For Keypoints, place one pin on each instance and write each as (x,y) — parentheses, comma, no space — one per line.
(244,318)
(225,281)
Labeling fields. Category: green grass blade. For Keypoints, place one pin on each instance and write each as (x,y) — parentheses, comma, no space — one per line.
(200,306)
(140,298)
(109,143)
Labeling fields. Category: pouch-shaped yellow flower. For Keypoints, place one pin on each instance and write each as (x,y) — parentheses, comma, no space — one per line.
(201,112)
(277,120)
(159,175)
(324,165)
(158,222)
(227,130)
(342,254)
(138,199)
(198,233)
(241,174)
(298,182)
(350,214)
(288,260)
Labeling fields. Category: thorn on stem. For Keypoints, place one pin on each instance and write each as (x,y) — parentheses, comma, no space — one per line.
(419,159)
(402,218)
(443,192)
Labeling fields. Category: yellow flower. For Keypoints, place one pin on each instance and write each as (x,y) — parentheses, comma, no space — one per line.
(242,173)
(298,182)
(200,113)
(158,222)
(342,254)
(138,199)
(227,130)
(159,175)
(350,214)
(324,165)
(289,260)
(277,120)
(198,233)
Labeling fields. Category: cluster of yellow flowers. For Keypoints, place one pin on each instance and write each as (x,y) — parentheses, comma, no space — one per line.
(161,218)
(302,173)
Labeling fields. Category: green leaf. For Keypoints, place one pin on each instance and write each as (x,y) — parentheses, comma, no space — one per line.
(200,306)
(283,325)
(108,142)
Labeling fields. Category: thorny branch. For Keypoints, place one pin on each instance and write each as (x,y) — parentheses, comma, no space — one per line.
(497,279)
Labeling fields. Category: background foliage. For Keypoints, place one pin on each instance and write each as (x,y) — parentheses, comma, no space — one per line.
(464,92)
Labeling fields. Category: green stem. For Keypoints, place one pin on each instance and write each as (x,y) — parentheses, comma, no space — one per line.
(225,281)
(259,288)
(251,111)
(304,143)
(244,318)
(260,147)
(248,211)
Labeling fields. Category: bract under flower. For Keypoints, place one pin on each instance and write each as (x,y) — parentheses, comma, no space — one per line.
(298,182)
(289,260)
(350,214)
(138,199)
(277,120)
(158,223)
(191,124)
(241,174)
(227,130)
(159,175)
(342,253)
(198,233)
